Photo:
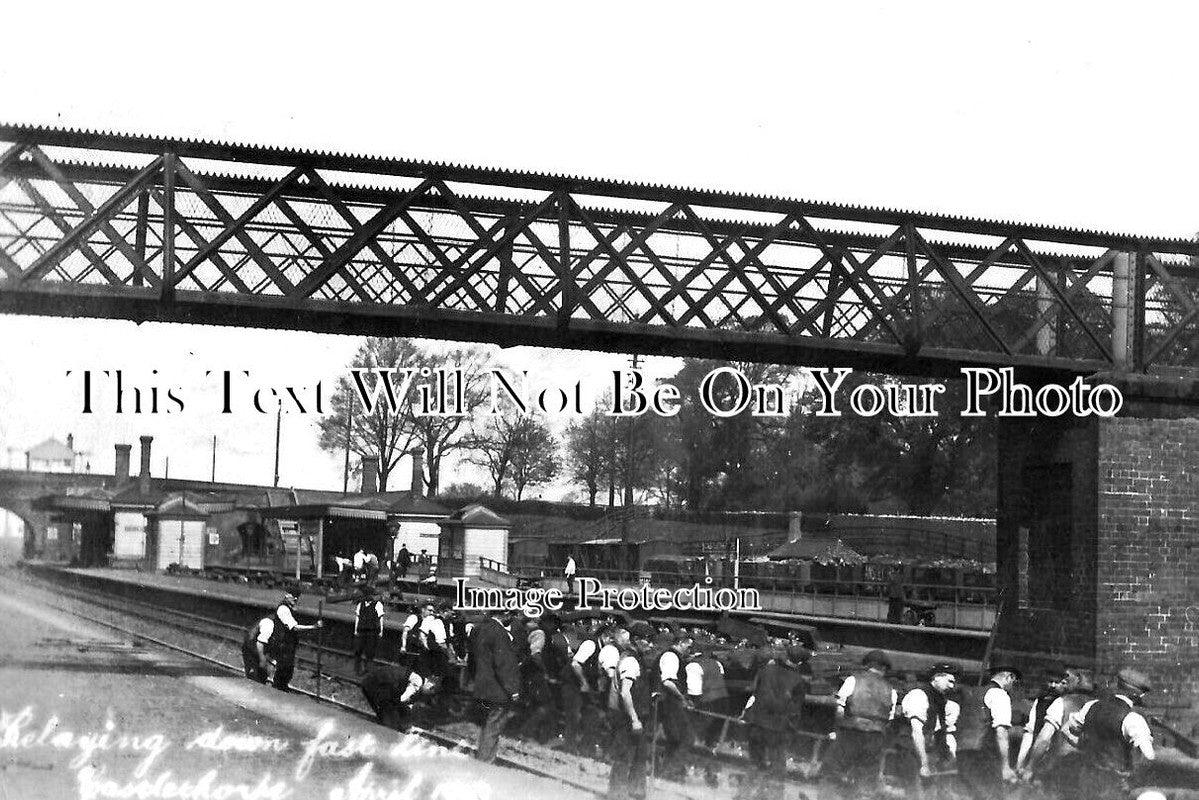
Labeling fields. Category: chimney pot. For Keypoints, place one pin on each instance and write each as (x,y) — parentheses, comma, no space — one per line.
(418,471)
(121,471)
(144,477)
(795,526)
(370,476)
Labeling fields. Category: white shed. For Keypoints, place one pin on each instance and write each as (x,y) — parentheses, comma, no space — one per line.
(472,537)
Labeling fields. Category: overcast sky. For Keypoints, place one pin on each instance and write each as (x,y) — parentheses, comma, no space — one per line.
(1075,114)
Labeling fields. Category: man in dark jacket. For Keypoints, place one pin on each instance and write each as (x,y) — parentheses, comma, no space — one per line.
(497,679)
(773,712)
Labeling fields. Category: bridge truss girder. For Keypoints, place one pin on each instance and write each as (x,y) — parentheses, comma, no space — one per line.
(150,229)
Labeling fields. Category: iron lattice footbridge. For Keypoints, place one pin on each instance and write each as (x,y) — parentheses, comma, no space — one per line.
(104,225)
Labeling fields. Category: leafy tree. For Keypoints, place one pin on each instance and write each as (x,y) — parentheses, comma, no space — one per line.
(535,459)
(588,451)
(717,456)
(923,461)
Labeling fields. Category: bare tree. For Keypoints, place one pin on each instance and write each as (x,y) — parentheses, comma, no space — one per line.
(380,433)
(493,447)
(442,434)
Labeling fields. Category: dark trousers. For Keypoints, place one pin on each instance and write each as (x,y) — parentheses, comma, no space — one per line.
(539,722)
(980,773)
(386,704)
(768,752)
(629,751)
(855,756)
(365,645)
(495,716)
(249,658)
(676,730)
(285,664)
(572,710)
(713,726)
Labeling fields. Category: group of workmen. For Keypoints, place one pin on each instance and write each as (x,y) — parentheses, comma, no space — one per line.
(1075,743)
(602,687)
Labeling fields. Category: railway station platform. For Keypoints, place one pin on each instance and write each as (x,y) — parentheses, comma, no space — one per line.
(840,649)
(86,712)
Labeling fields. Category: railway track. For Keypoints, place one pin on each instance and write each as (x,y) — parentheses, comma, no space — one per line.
(177,631)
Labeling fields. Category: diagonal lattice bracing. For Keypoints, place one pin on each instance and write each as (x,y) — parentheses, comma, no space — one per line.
(156,229)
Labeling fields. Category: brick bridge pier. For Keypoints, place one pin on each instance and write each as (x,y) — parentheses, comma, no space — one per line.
(1098,539)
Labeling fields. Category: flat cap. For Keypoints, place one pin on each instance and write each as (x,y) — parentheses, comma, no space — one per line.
(1005,666)
(877,658)
(1135,679)
(942,669)
(641,630)
(798,654)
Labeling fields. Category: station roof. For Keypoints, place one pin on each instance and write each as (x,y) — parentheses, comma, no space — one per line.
(822,552)
(477,515)
(51,450)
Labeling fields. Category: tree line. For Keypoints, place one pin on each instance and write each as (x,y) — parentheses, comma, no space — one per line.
(694,460)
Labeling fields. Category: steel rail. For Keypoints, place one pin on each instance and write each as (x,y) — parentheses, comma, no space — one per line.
(444,740)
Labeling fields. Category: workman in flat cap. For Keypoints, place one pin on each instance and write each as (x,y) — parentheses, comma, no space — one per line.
(1113,739)
(773,712)
(631,705)
(932,718)
(866,703)
(274,638)
(984,733)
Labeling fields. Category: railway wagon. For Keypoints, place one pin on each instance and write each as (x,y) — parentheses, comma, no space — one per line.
(611,556)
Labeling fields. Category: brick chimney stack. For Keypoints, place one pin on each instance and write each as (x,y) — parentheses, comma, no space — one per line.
(418,471)
(144,477)
(121,470)
(370,476)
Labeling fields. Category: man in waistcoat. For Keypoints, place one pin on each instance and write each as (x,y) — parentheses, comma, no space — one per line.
(866,703)
(391,691)
(773,712)
(368,628)
(275,638)
(1113,739)
(1047,715)
(984,734)
(631,705)
(932,718)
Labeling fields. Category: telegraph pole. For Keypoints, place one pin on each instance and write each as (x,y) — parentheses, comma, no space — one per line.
(278,431)
(214,458)
(345,473)
(635,362)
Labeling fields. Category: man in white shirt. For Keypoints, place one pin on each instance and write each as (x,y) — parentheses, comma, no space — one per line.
(275,637)
(866,702)
(1046,718)
(425,636)
(932,717)
(368,628)
(569,574)
(632,715)
(1113,738)
(676,722)
(391,692)
(984,734)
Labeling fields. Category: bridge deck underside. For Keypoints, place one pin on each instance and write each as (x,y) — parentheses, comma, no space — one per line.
(140,229)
